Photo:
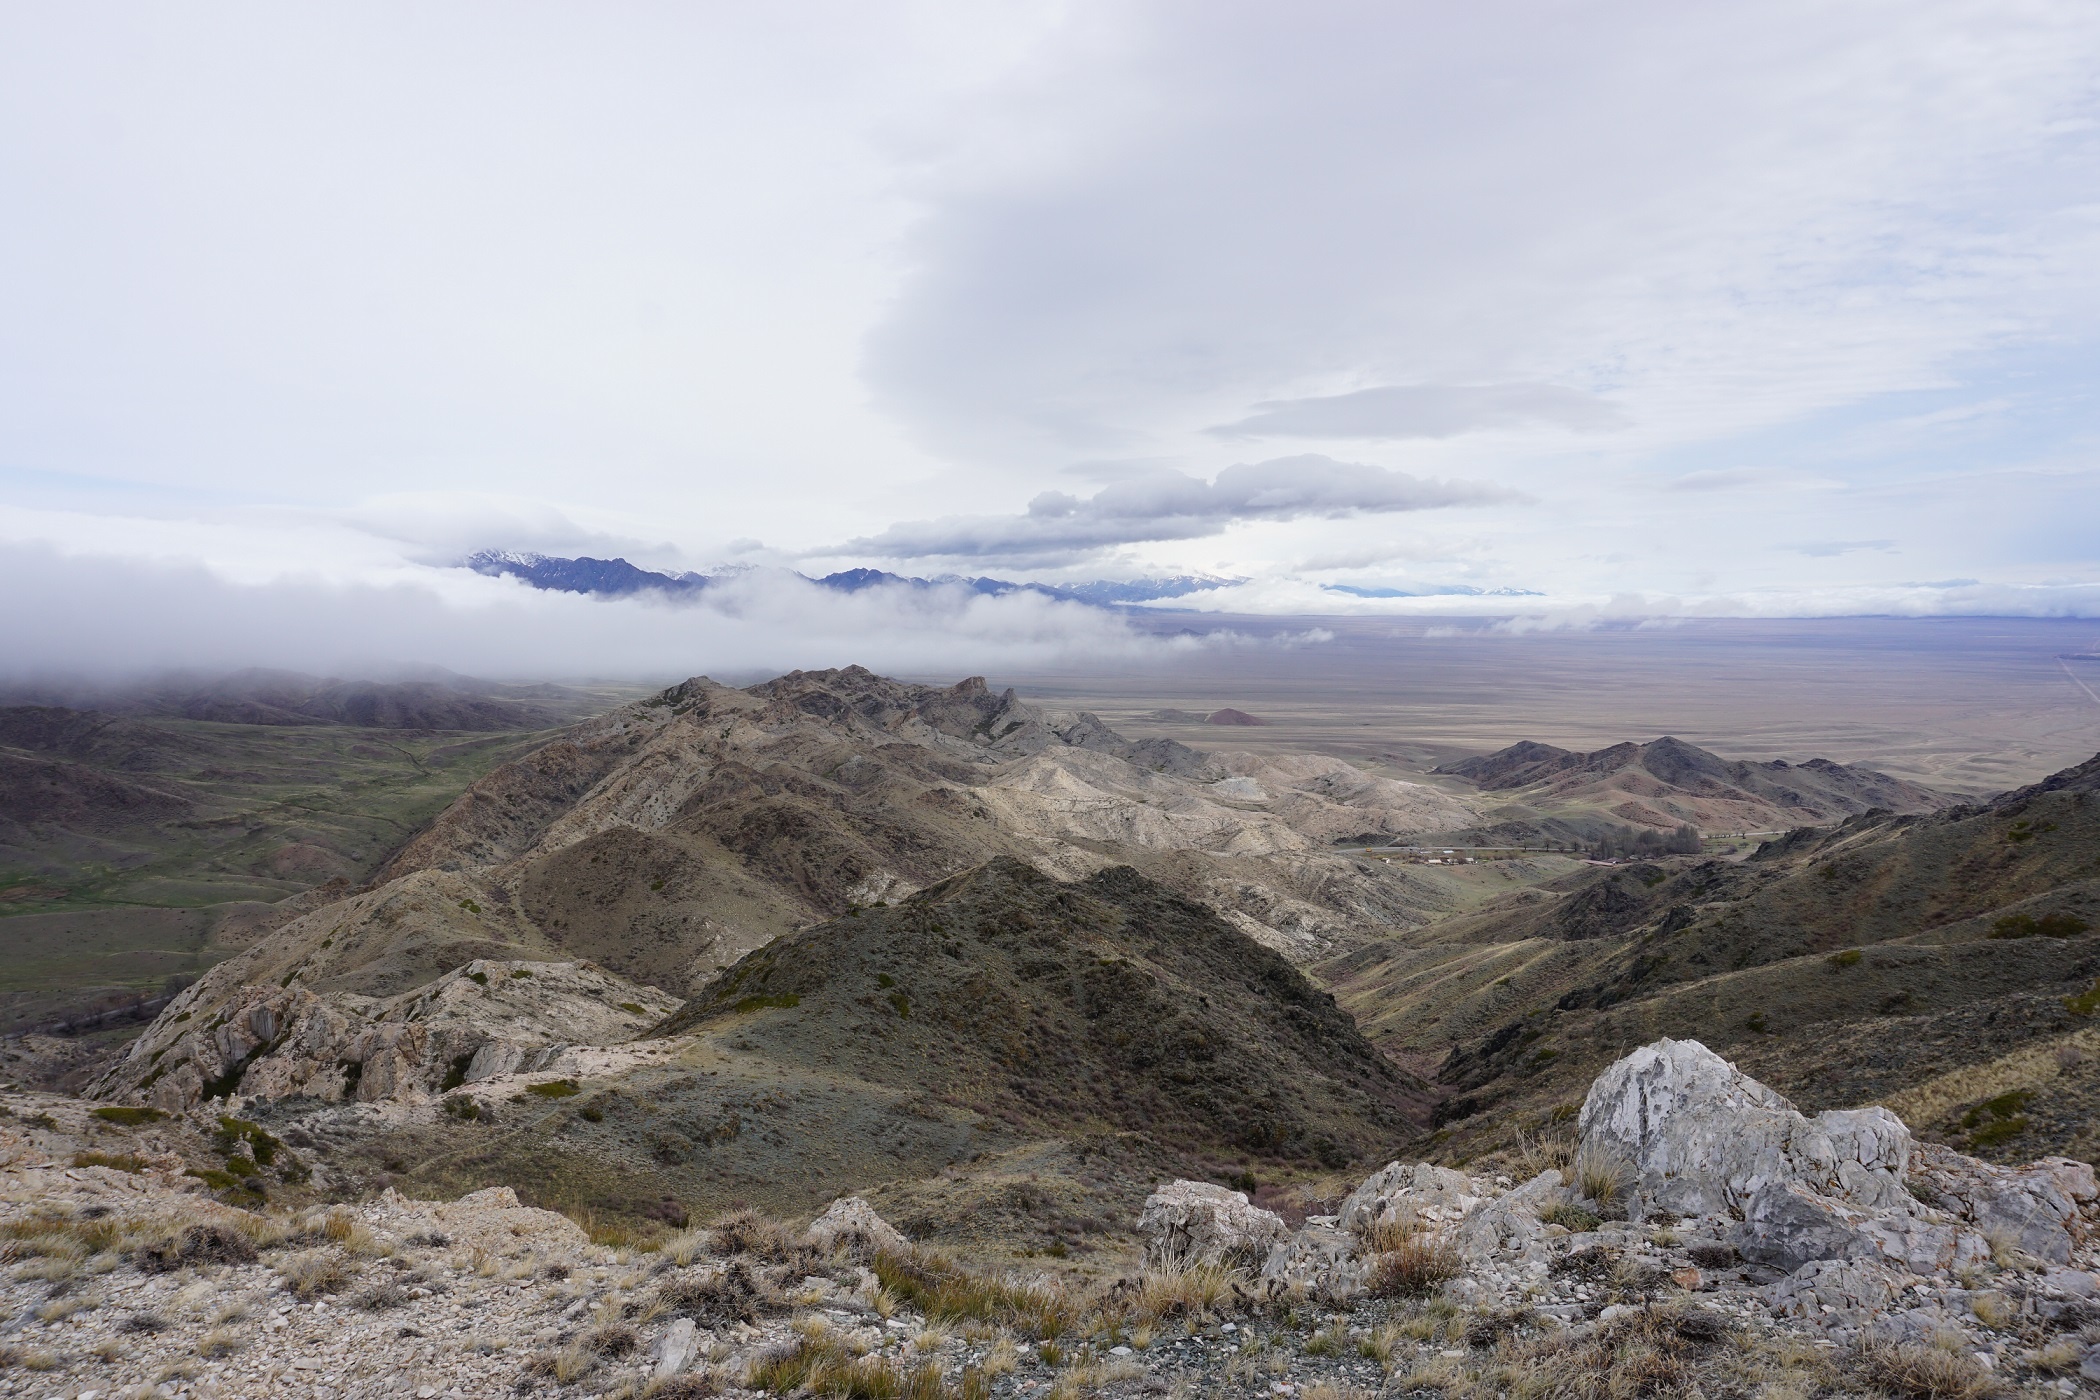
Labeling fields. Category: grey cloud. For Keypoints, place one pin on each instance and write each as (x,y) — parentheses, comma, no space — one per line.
(1827,549)
(1722,480)
(1427,411)
(1059,526)
(1207,202)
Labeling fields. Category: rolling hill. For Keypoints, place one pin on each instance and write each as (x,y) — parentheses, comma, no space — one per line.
(1541,792)
(1937,962)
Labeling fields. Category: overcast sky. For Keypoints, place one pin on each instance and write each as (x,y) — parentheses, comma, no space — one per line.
(1775,308)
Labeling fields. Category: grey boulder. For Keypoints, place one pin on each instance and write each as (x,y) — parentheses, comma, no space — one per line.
(1194,1222)
(1700,1137)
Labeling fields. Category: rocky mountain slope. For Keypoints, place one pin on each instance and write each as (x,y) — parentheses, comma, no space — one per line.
(1547,792)
(669,837)
(1941,963)
(1031,1045)
(1109,1003)
(1696,1235)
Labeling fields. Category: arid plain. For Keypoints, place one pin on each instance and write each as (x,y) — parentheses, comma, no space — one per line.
(1967,705)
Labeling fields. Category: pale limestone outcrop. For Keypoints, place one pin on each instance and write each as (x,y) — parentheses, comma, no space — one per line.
(1194,1222)
(2032,1208)
(1325,1262)
(1509,1226)
(486,1019)
(851,1221)
(1789,1225)
(1409,1193)
(1852,1289)
(1703,1138)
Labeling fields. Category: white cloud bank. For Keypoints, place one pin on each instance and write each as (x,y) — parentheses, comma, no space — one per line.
(1059,528)
(102,616)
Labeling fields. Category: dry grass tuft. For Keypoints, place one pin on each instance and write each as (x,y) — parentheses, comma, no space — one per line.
(1381,1236)
(1993,1310)
(1415,1268)
(946,1291)
(2006,1252)
(1602,1175)
(684,1247)
(818,1366)
(1001,1359)
(1544,1150)
(1570,1216)
(220,1341)
(313,1272)
(691,1385)
(1333,1390)
(351,1233)
(1914,1371)
(1175,1291)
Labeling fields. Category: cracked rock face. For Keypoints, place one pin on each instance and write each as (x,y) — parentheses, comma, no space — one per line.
(1194,1222)
(2030,1208)
(489,1018)
(1409,1192)
(1703,1138)
(1326,1262)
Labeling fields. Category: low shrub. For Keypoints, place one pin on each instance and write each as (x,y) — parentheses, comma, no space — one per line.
(1484,1329)
(615,1339)
(199,1244)
(127,1115)
(1713,1256)
(2057,925)
(712,1300)
(382,1296)
(120,1161)
(748,1232)
(554,1089)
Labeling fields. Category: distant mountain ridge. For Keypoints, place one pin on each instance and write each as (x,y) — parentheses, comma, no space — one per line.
(619,578)
(1668,781)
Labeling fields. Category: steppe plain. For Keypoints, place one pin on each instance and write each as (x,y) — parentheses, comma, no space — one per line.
(1973,705)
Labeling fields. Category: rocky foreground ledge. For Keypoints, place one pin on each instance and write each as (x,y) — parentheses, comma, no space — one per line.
(1696,1235)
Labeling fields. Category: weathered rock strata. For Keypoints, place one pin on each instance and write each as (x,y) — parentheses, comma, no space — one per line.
(485,1019)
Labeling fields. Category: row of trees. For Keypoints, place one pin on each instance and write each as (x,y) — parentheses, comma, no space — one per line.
(1646,841)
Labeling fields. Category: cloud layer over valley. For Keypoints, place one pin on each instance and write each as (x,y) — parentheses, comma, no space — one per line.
(1568,313)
